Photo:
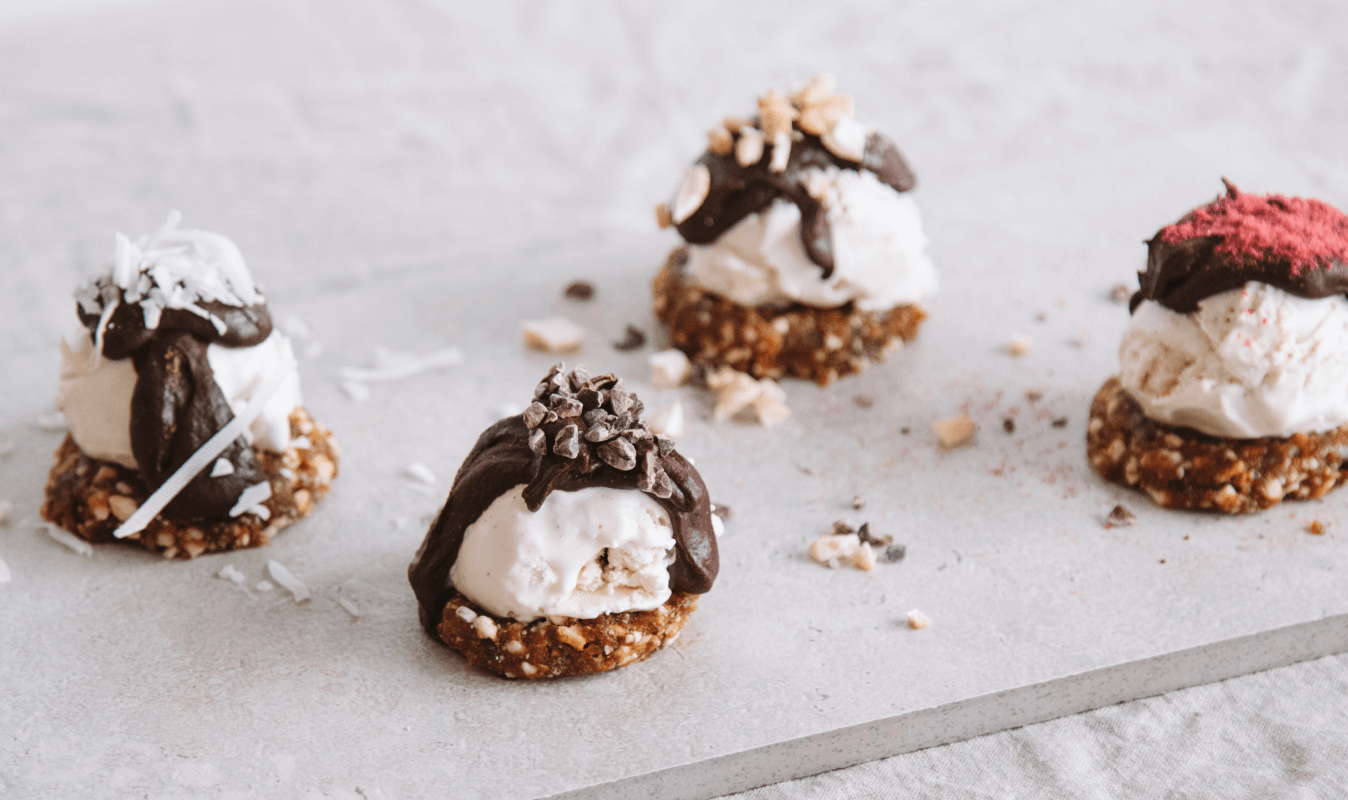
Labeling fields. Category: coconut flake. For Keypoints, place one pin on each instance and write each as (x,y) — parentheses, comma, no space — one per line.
(350,606)
(198,460)
(65,537)
(223,466)
(420,472)
(54,421)
(251,499)
(355,391)
(264,586)
(284,577)
(229,573)
(392,366)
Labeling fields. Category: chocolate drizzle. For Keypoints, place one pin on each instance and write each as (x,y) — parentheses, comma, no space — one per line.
(176,405)
(581,432)
(738,191)
(1184,271)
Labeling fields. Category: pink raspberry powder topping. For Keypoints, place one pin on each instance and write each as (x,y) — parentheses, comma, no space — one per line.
(1305,233)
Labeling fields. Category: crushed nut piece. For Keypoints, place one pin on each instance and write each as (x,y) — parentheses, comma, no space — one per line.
(1121,293)
(1317,527)
(122,507)
(917,620)
(749,147)
(858,502)
(553,335)
(864,558)
(669,368)
(1120,517)
(776,114)
(1018,346)
(737,392)
(691,193)
(841,528)
(864,533)
(485,627)
(634,338)
(570,636)
(719,140)
(864,400)
(1060,422)
(1034,395)
(955,431)
(832,550)
(663,217)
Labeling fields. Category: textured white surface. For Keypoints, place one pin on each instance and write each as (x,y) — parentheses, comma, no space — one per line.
(420,174)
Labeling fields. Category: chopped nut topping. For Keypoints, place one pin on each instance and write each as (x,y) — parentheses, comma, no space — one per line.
(570,636)
(847,140)
(917,620)
(781,152)
(749,147)
(692,192)
(819,88)
(734,124)
(776,114)
(955,431)
(821,116)
(719,140)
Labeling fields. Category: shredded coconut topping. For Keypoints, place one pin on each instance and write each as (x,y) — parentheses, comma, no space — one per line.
(172,268)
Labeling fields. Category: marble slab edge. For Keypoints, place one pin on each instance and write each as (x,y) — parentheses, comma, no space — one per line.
(977,716)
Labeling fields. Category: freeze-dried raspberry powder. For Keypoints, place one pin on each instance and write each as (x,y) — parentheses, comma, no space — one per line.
(1304,233)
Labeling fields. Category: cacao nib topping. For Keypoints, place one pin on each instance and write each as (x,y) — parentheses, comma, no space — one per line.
(1297,245)
(511,453)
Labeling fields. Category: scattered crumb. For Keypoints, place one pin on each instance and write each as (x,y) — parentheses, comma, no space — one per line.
(917,620)
(905,430)
(229,573)
(390,365)
(955,431)
(1018,346)
(264,586)
(1009,425)
(722,511)
(553,335)
(670,421)
(355,391)
(1317,527)
(737,393)
(418,471)
(580,290)
(894,553)
(1041,317)
(1060,422)
(350,606)
(1034,395)
(55,421)
(663,217)
(5,508)
(634,338)
(4,571)
(284,577)
(1163,561)
(65,537)
(841,528)
(1120,517)
(835,550)
(670,368)
(1120,293)
(864,400)
(1081,339)
(865,535)
(858,502)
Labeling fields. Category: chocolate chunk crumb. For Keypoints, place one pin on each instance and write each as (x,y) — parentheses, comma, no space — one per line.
(722,511)
(633,339)
(1163,561)
(1120,517)
(580,290)
(1060,422)
(1009,425)
(905,431)
(894,553)
(858,502)
(865,535)
(1317,527)
(841,528)
(1120,293)
(864,400)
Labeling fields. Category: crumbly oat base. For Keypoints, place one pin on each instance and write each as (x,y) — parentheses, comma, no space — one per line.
(821,345)
(542,649)
(1182,468)
(90,498)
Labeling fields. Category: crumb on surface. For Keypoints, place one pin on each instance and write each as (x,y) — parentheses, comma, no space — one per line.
(864,400)
(1120,517)
(1317,527)
(955,432)
(1019,346)
(553,335)
(858,502)
(1120,293)
(1009,425)
(634,338)
(917,620)
(579,290)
